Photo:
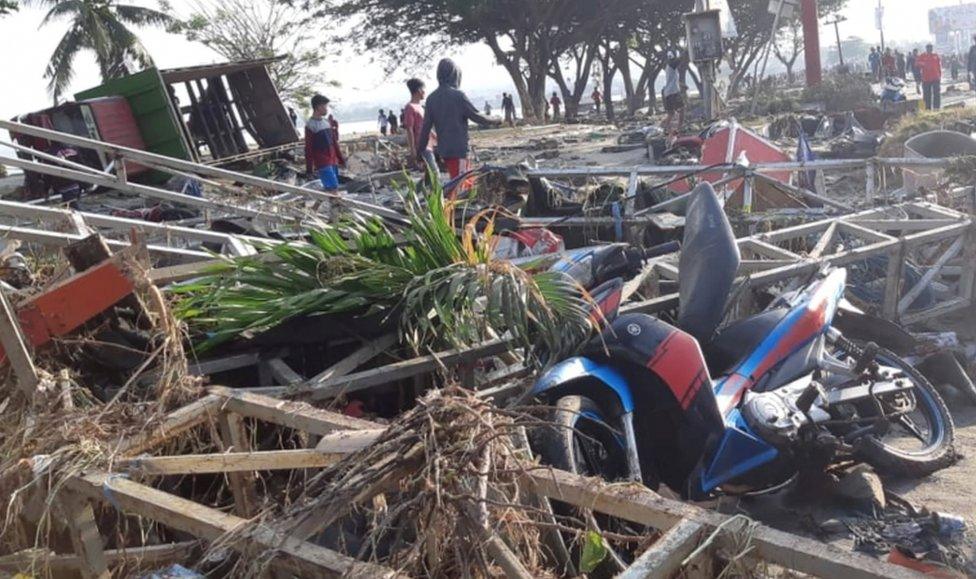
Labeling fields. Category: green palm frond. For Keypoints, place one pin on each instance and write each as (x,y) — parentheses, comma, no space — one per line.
(445,290)
(141,16)
(60,69)
(99,26)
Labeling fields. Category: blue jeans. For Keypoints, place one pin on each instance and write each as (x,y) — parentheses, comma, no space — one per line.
(329,176)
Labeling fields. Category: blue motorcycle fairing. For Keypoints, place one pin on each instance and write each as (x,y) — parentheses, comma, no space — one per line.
(739,452)
(580,367)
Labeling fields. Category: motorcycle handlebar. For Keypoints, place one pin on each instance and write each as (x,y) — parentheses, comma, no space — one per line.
(663,249)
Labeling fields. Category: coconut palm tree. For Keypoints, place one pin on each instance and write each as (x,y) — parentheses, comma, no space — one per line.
(101,26)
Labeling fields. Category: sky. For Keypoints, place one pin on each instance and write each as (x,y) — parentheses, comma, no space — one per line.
(25,49)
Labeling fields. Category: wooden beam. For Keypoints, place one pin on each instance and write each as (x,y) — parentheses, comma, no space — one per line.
(398,370)
(665,556)
(299,557)
(636,503)
(282,373)
(354,360)
(824,242)
(902,224)
(152,555)
(231,462)
(15,348)
(297,415)
(864,233)
(177,422)
(85,537)
(769,250)
(911,295)
(233,435)
(941,309)
(893,281)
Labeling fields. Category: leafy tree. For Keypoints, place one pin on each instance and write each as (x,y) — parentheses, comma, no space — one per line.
(244,30)
(527,37)
(101,26)
(659,27)
(788,46)
(7,6)
(754,22)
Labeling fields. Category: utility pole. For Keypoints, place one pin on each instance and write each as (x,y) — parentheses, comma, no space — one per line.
(836,22)
(879,22)
(811,41)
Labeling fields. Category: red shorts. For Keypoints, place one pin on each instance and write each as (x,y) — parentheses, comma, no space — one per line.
(456,166)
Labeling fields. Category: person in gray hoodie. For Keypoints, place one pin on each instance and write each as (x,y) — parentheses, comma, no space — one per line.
(448,113)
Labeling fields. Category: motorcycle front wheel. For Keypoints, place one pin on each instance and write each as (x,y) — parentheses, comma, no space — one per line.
(581,440)
(919,435)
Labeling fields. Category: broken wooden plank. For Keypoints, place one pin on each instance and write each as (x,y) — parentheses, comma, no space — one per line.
(911,295)
(242,484)
(231,462)
(15,349)
(665,556)
(85,537)
(297,415)
(282,373)
(393,372)
(175,423)
(152,555)
(293,555)
(354,360)
(637,503)
(824,242)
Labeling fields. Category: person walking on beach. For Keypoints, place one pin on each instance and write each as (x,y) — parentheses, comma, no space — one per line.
(971,65)
(930,68)
(556,102)
(674,97)
(888,63)
(874,59)
(335,142)
(413,124)
(597,99)
(448,113)
(384,122)
(508,105)
(320,147)
(916,72)
(394,122)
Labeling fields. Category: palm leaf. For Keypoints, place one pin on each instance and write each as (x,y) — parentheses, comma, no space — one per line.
(447,289)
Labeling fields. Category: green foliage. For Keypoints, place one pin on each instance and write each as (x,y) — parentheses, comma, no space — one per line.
(101,26)
(594,552)
(841,92)
(242,30)
(445,289)
(7,6)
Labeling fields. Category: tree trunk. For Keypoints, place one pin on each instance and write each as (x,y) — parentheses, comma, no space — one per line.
(511,66)
(652,89)
(621,58)
(609,71)
(739,71)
